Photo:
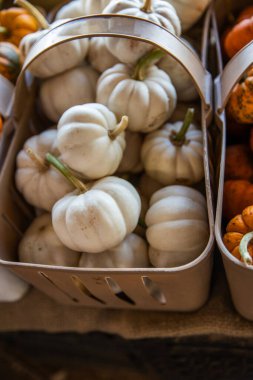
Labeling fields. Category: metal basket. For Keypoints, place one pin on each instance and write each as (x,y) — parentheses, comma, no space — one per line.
(184,288)
(239,277)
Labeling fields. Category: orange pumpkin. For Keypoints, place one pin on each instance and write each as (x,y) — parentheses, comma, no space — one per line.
(1,126)
(240,104)
(237,195)
(15,23)
(238,231)
(10,63)
(239,162)
(240,34)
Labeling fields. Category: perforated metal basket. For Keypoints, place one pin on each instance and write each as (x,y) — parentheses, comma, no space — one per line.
(184,288)
(239,277)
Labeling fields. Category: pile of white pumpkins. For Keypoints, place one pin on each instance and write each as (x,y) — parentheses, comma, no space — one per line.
(110,101)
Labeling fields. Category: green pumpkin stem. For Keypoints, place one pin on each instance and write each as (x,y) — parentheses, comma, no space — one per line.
(147,6)
(41,20)
(140,70)
(38,160)
(64,170)
(178,138)
(119,127)
(243,248)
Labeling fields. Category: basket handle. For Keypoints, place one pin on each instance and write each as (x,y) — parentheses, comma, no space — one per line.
(126,27)
(6,96)
(231,74)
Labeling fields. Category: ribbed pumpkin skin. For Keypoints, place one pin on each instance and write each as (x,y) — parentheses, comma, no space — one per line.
(18,23)
(240,225)
(240,104)
(240,34)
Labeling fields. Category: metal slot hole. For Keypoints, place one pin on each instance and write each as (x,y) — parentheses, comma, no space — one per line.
(153,290)
(114,287)
(80,285)
(45,276)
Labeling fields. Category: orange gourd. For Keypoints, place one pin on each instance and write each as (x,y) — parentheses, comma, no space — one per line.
(240,34)
(238,236)
(1,125)
(240,104)
(10,62)
(239,162)
(15,23)
(237,195)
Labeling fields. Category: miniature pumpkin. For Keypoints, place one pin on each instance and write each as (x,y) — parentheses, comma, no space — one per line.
(15,23)
(40,245)
(73,87)
(40,185)
(131,159)
(90,140)
(92,7)
(131,92)
(96,219)
(132,252)
(159,11)
(174,153)
(72,9)
(237,195)
(58,59)
(239,162)
(10,64)
(12,288)
(240,34)
(240,104)
(189,11)
(98,49)
(180,78)
(177,226)
(238,228)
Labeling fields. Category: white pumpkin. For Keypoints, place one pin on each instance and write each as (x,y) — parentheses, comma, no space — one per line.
(97,219)
(40,245)
(131,159)
(148,102)
(181,79)
(12,288)
(72,9)
(99,56)
(159,11)
(90,140)
(132,252)
(173,155)
(148,186)
(40,185)
(57,60)
(94,6)
(178,229)
(73,87)
(189,11)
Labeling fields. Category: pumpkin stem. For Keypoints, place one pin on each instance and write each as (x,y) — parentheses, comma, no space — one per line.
(42,165)
(41,20)
(144,62)
(64,170)
(147,6)
(4,30)
(243,248)
(119,127)
(178,138)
